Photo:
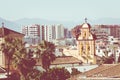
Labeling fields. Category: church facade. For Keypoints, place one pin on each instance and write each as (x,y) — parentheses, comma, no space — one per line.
(86,44)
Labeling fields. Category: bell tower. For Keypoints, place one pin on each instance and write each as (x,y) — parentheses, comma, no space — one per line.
(86,44)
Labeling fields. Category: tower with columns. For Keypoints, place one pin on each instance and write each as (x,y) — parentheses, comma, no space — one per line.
(86,44)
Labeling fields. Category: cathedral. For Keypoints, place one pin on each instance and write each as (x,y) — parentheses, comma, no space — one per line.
(86,44)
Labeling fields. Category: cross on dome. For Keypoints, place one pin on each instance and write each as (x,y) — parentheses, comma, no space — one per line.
(86,20)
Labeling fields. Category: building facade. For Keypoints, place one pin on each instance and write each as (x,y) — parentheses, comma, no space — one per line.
(32,33)
(86,44)
(111,30)
(36,33)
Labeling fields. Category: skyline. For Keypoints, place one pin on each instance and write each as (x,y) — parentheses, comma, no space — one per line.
(60,10)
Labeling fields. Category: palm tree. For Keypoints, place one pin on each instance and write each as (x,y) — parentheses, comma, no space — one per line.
(46,51)
(8,50)
(23,60)
(55,74)
(17,56)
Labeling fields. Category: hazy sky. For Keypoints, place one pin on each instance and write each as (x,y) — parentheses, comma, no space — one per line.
(64,10)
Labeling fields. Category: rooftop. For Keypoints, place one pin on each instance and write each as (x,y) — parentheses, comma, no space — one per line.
(62,60)
(5,31)
(102,71)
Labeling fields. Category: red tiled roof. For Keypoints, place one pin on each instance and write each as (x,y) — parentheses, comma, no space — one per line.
(66,60)
(103,71)
(62,60)
(111,72)
(93,72)
(5,31)
(31,46)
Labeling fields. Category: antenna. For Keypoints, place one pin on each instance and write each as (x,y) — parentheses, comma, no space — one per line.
(2,24)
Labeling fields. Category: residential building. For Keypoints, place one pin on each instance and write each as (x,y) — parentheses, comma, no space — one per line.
(32,33)
(115,31)
(31,30)
(50,33)
(110,30)
(67,33)
(102,34)
(35,33)
(59,31)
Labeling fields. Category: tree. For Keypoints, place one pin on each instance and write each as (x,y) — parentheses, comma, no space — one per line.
(34,75)
(75,71)
(119,59)
(26,66)
(76,31)
(17,57)
(55,74)
(107,59)
(8,50)
(46,53)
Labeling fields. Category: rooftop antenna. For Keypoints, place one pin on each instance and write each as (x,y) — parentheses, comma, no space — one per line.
(2,24)
(86,20)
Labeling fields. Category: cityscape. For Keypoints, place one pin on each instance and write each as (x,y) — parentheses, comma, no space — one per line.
(59,40)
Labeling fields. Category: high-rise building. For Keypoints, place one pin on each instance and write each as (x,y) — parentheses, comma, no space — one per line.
(35,33)
(67,33)
(111,30)
(32,33)
(115,31)
(59,31)
(31,30)
(42,32)
(49,33)
(53,32)
(103,32)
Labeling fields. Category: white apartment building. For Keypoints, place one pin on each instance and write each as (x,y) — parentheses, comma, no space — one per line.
(32,33)
(31,30)
(53,32)
(35,33)
(59,31)
(49,33)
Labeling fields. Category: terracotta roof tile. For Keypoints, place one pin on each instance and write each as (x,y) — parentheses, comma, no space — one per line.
(66,60)
(111,72)
(62,60)
(92,73)
(103,71)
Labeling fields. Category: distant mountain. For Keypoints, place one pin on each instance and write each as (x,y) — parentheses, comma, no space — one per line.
(107,21)
(28,21)
(16,25)
(10,24)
